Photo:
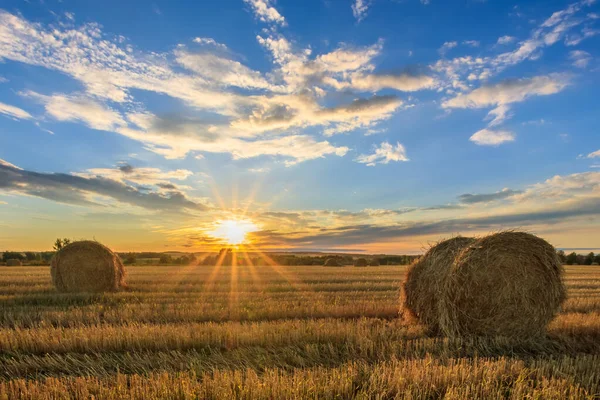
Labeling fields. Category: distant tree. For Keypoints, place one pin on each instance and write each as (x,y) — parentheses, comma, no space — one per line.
(360,262)
(332,262)
(30,256)
(12,255)
(563,257)
(60,243)
(374,262)
(225,256)
(165,259)
(129,259)
(589,259)
(571,258)
(580,259)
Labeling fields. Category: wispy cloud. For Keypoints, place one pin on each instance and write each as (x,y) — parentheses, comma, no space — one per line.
(360,9)
(85,188)
(506,39)
(490,137)
(447,46)
(79,108)
(14,112)
(469,198)
(245,103)
(509,91)
(595,154)
(264,10)
(580,58)
(383,154)
(501,96)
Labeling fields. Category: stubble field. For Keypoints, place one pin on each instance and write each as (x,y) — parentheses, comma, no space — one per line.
(274,332)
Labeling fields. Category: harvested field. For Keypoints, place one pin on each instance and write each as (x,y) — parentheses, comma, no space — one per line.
(275,332)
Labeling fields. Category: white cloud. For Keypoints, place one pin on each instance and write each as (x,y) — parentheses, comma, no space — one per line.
(472,43)
(558,26)
(259,170)
(580,58)
(576,38)
(506,40)
(488,137)
(209,42)
(383,155)
(360,9)
(402,82)
(222,71)
(79,108)
(595,154)
(264,11)
(14,112)
(447,46)
(174,138)
(499,115)
(138,175)
(563,187)
(509,91)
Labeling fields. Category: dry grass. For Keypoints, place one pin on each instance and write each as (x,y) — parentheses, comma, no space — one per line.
(286,332)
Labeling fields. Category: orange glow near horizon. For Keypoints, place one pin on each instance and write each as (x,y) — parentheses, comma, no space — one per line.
(233,231)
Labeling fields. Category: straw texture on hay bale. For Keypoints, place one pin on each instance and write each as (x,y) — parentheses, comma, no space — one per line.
(13,262)
(505,284)
(425,281)
(87,266)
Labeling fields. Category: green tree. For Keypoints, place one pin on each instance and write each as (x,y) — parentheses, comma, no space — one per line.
(60,243)
(12,255)
(361,262)
(589,259)
(165,259)
(571,258)
(563,257)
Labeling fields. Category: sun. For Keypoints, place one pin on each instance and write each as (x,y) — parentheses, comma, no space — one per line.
(233,231)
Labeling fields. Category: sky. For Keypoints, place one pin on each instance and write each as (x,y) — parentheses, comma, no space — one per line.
(375,126)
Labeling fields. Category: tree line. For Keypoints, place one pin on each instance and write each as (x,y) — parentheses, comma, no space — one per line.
(227,256)
(579,259)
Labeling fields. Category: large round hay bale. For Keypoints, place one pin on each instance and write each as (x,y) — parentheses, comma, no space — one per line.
(425,279)
(13,262)
(87,266)
(505,284)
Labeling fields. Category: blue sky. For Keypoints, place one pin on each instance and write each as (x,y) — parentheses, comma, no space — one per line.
(361,125)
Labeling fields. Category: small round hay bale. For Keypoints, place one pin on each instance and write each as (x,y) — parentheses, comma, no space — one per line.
(425,279)
(87,266)
(332,262)
(361,262)
(505,284)
(13,262)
